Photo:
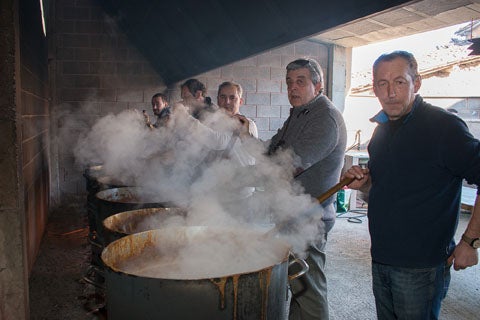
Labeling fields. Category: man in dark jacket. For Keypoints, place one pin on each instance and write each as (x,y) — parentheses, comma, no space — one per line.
(419,155)
(161,109)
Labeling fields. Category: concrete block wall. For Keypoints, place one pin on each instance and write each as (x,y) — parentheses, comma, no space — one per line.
(263,80)
(13,261)
(34,109)
(24,155)
(97,71)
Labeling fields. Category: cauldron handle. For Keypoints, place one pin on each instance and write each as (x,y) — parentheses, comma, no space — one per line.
(303,264)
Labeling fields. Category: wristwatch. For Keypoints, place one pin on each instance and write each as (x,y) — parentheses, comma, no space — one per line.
(472,242)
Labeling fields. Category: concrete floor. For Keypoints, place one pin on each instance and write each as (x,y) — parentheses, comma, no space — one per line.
(57,292)
(349,276)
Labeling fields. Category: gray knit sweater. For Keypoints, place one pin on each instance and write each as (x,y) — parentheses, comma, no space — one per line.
(316,132)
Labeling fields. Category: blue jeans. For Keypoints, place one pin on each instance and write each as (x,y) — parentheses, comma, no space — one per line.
(409,293)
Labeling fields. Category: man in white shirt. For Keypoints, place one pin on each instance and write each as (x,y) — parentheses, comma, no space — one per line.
(230,99)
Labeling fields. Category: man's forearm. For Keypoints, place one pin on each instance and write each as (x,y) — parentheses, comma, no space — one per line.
(473,227)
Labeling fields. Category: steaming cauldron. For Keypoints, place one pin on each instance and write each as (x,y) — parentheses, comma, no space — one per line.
(115,200)
(96,180)
(112,201)
(197,273)
(129,222)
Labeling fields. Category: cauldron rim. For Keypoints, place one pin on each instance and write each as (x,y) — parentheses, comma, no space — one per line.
(114,222)
(109,267)
(108,194)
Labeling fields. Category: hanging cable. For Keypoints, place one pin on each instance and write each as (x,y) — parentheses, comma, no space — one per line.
(356,217)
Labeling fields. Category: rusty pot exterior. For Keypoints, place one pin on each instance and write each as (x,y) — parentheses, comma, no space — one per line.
(259,294)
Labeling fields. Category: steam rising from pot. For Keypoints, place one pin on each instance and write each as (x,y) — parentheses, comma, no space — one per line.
(170,161)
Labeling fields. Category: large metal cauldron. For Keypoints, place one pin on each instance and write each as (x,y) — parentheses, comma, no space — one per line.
(112,201)
(129,222)
(96,180)
(159,274)
(115,200)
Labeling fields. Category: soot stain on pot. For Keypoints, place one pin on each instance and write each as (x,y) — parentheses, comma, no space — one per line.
(235,280)
(221,283)
(264,280)
(264,277)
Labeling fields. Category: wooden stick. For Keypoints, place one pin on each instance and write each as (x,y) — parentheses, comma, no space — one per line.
(324,196)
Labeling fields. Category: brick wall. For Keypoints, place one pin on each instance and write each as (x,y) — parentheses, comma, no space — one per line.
(24,164)
(13,293)
(35,125)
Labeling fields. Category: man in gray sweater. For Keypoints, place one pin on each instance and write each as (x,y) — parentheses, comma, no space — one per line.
(316,132)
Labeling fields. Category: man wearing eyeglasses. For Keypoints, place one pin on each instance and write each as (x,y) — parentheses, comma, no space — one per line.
(419,156)
(316,132)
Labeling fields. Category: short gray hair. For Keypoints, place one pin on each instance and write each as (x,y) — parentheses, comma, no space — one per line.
(407,56)
(316,74)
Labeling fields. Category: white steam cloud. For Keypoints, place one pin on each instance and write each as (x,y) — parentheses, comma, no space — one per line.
(170,161)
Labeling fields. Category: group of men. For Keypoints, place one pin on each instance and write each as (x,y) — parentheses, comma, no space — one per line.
(413,178)
(200,106)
